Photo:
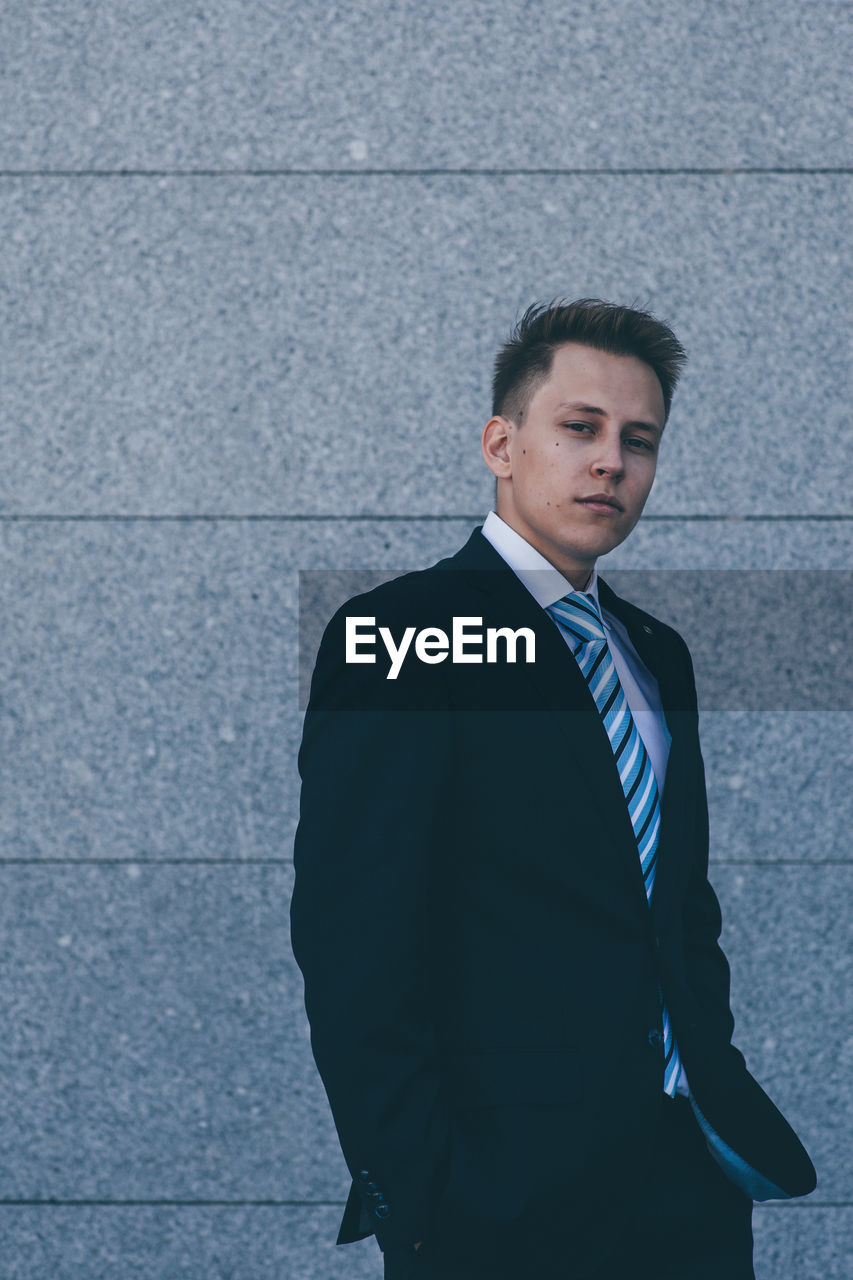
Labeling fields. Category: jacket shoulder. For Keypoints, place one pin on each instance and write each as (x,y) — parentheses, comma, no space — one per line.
(426,593)
(413,590)
(391,613)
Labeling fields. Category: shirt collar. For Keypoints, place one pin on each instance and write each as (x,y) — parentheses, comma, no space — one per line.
(545,583)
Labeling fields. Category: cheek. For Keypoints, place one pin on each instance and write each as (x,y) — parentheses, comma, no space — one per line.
(536,472)
(642,476)
(549,488)
(649,481)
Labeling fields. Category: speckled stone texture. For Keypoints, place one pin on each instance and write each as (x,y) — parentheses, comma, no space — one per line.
(255,260)
(181,1242)
(156,1044)
(323,345)
(476,85)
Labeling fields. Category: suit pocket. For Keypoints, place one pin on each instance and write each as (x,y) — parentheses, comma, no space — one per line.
(516,1077)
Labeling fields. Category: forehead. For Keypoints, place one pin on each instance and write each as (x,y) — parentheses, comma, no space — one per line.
(623,386)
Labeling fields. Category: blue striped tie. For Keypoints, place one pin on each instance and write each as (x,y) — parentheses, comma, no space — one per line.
(578,615)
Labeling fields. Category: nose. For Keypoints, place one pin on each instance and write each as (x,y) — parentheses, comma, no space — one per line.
(608,459)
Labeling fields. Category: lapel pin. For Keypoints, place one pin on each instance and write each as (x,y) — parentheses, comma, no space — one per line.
(647,629)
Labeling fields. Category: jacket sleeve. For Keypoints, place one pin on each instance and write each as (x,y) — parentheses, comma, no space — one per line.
(374,768)
(747,1133)
(708,973)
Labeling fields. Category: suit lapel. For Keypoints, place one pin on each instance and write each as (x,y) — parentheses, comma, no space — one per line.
(556,683)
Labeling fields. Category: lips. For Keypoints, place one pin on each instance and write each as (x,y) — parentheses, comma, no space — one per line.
(602,499)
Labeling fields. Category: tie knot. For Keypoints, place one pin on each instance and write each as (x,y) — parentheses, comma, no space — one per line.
(579,613)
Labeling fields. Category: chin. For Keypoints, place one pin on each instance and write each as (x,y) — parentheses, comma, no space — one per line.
(602,548)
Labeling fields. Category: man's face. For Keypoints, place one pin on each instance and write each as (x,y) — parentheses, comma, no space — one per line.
(591,430)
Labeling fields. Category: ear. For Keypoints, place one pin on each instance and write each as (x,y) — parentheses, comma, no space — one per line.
(495,444)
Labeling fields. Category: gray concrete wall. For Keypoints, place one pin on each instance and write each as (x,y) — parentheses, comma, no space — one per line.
(256,258)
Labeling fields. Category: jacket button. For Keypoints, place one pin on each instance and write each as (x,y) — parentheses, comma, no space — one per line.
(364,1175)
(382,1210)
(655,1037)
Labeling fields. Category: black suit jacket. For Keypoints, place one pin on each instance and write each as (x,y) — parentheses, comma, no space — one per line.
(481,964)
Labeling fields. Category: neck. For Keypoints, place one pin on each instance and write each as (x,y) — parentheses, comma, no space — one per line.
(579,575)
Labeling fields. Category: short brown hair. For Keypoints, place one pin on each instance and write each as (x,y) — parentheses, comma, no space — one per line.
(525,360)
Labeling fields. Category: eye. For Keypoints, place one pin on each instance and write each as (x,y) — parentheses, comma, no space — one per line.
(578,426)
(641,443)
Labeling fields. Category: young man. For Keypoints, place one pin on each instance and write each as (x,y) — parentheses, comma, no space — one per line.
(517,1000)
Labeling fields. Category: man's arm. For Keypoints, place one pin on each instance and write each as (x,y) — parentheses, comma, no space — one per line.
(761,1154)
(708,974)
(373,778)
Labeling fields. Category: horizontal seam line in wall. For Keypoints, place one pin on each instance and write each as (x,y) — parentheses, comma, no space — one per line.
(179,1203)
(287,862)
(781,862)
(309,1204)
(303,518)
(148,862)
(629,171)
(806,1204)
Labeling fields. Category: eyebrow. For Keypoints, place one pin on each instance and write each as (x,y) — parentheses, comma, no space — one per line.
(578,407)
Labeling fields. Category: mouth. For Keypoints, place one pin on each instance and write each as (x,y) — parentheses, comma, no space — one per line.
(603,502)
